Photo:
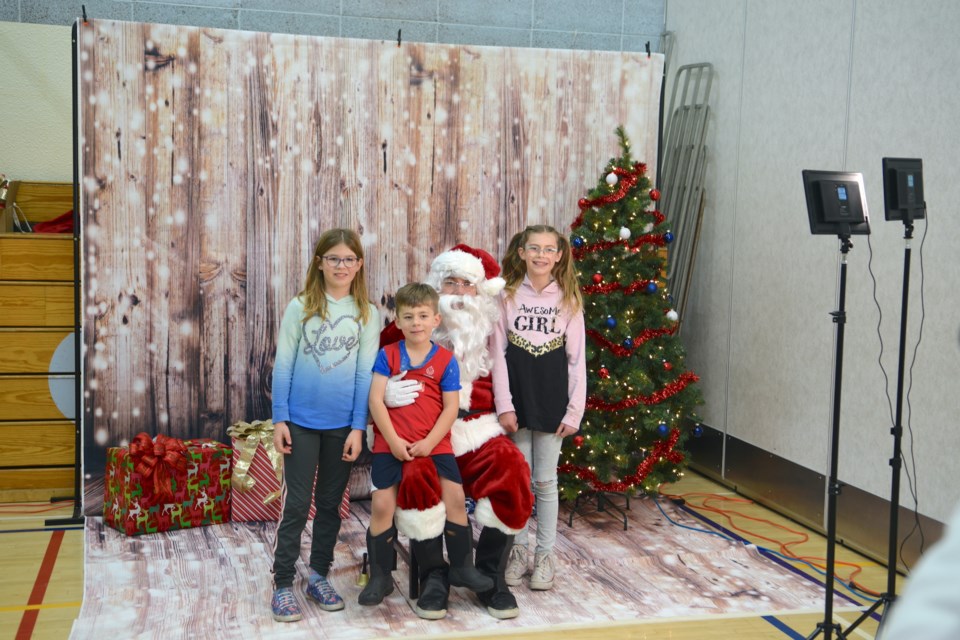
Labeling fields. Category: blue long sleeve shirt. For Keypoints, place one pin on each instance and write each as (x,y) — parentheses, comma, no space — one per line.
(322,371)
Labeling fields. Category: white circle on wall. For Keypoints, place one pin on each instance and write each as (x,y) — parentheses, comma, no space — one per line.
(63,387)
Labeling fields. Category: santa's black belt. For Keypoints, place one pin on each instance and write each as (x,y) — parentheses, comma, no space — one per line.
(463,414)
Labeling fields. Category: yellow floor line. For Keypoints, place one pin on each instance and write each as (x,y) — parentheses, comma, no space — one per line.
(32,607)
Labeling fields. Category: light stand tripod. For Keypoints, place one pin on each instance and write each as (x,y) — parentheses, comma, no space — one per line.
(888,597)
(828,626)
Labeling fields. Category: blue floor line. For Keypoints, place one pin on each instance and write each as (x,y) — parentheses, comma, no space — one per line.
(779,624)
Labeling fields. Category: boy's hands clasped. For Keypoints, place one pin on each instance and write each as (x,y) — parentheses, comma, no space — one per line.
(400,449)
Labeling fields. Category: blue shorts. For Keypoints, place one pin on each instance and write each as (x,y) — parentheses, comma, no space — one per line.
(386,470)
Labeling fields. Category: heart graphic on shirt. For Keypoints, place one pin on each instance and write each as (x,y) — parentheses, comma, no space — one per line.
(323,346)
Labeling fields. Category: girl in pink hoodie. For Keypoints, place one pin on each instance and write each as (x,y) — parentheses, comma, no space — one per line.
(539,377)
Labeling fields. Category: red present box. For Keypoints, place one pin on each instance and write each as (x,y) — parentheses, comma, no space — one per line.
(166,484)
(258,474)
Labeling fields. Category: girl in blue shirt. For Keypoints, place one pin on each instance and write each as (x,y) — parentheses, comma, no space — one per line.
(326,346)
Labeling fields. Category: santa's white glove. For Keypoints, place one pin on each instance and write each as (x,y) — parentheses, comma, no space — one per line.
(399,392)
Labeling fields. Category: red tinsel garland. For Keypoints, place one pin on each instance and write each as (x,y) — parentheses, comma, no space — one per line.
(610,287)
(623,352)
(661,449)
(655,239)
(656,397)
(628,179)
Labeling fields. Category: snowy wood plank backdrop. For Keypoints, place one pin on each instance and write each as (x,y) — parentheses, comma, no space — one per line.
(212,160)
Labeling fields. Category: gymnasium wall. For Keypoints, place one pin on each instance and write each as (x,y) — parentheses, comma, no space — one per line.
(838,86)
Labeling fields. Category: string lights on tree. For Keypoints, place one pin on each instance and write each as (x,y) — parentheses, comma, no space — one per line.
(640,397)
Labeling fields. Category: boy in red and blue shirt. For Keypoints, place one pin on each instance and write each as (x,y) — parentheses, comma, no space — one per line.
(405,439)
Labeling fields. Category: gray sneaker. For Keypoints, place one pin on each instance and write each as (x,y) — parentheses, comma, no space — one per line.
(516,565)
(543,572)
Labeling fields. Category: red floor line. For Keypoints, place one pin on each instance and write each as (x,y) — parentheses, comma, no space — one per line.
(29,619)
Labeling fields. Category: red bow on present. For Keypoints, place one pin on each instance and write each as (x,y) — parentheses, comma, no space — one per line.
(157,462)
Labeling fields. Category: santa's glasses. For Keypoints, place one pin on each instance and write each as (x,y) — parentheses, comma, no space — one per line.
(452,285)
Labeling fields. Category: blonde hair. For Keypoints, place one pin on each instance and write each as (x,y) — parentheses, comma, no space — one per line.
(314,291)
(514,268)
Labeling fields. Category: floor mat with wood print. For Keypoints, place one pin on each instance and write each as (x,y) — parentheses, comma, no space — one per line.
(215,581)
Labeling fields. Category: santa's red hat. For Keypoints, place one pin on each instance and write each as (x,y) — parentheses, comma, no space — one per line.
(420,513)
(473,265)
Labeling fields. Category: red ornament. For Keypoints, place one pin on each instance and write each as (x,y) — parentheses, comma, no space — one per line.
(578,441)
(597,278)
(583,203)
(604,373)
(654,195)
(667,365)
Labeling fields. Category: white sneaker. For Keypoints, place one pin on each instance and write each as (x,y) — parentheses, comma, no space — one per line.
(543,572)
(516,565)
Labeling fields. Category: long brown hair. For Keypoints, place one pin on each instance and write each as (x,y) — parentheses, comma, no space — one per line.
(514,268)
(314,291)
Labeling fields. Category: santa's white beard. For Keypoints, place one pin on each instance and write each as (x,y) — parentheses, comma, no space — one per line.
(467,322)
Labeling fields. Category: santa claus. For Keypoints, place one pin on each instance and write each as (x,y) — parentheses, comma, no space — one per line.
(493,470)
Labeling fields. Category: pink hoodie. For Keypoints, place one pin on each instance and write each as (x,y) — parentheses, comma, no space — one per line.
(535,320)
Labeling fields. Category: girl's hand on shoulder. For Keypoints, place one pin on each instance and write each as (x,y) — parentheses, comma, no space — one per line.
(281,437)
(353,445)
(508,420)
(565,430)
(399,449)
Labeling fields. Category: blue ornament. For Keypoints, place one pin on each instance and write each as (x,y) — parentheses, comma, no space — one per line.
(577,242)
(628,344)
(668,237)
(697,431)
(651,287)
(663,429)
(611,322)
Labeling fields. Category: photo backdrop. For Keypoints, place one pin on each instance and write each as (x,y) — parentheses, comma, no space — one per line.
(211,160)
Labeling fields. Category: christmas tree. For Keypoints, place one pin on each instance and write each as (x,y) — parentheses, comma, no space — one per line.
(640,398)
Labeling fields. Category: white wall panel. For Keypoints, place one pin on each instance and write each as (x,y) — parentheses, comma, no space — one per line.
(825,85)
(706,330)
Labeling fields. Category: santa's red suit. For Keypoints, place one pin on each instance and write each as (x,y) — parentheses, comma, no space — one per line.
(494,472)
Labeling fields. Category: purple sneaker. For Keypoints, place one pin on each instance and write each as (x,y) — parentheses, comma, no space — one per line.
(284,606)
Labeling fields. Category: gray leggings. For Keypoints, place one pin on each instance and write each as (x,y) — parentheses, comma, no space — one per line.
(311,449)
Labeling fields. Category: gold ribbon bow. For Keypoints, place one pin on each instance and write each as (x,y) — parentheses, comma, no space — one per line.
(249,435)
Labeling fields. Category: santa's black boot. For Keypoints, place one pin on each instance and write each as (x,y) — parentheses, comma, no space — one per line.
(493,551)
(459,539)
(434,587)
(381,553)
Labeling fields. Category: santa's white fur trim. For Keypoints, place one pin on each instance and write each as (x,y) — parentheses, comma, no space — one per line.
(484,515)
(370,436)
(421,525)
(458,264)
(492,287)
(468,435)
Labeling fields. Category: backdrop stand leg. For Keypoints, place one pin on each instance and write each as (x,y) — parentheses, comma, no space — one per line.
(77,333)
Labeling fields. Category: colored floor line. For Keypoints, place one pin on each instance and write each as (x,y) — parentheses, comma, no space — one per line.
(780,625)
(50,605)
(43,530)
(29,619)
